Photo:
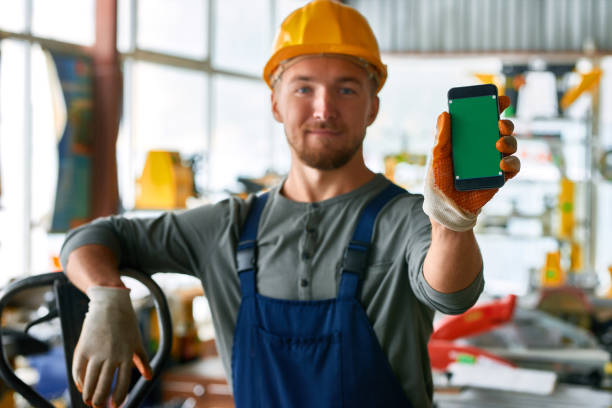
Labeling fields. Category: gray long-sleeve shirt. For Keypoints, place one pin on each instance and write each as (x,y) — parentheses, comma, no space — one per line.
(301,246)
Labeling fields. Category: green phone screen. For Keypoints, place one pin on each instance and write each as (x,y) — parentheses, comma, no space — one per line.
(474,132)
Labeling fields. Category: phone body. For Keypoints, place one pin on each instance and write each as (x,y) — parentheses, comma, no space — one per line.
(474,112)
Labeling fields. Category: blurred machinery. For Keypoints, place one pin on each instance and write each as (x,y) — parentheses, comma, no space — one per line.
(605,165)
(166,182)
(412,166)
(589,81)
(564,284)
(186,345)
(504,333)
(54,309)
(254,185)
(502,354)
(445,350)
(515,79)
(551,273)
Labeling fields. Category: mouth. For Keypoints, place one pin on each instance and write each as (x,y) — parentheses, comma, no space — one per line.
(323,132)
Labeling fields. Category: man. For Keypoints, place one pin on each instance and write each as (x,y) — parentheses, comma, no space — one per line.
(323,290)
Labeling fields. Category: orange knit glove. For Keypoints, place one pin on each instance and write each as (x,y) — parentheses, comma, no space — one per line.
(457,210)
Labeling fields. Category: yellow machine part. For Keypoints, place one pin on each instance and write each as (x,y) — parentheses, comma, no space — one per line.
(566,209)
(485,78)
(609,294)
(165,183)
(552,274)
(576,258)
(588,82)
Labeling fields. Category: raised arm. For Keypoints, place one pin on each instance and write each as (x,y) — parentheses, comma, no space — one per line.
(454,261)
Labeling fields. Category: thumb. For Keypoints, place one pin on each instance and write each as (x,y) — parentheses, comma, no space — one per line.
(141,362)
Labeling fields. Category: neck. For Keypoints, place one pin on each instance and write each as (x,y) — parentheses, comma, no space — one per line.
(306,184)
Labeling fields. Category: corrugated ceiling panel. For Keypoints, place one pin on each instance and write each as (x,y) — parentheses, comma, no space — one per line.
(440,26)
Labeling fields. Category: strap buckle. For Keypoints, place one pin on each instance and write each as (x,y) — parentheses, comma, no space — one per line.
(246,256)
(355,258)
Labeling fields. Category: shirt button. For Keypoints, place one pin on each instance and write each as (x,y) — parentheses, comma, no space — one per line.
(303,282)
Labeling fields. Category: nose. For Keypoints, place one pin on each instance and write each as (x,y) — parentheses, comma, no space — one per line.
(324,106)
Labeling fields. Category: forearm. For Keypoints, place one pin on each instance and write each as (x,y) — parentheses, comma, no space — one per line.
(93,265)
(453,260)
(110,340)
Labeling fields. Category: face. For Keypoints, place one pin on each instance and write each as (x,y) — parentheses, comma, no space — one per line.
(325,104)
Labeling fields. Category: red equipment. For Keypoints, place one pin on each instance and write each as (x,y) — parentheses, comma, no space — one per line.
(480,318)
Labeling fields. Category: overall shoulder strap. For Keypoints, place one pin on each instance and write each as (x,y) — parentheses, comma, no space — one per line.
(246,251)
(356,254)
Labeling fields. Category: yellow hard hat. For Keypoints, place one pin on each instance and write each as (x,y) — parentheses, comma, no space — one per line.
(326,27)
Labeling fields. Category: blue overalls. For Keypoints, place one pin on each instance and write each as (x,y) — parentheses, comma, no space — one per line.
(311,354)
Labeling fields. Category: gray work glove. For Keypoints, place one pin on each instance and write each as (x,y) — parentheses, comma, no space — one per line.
(110,341)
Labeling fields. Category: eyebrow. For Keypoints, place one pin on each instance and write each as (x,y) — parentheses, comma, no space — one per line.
(300,78)
(303,78)
(350,79)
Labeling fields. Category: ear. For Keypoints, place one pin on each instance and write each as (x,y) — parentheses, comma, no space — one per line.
(275,112)
(373,109)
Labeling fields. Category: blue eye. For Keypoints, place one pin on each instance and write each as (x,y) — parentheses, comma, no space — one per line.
(346,91)
(303,90)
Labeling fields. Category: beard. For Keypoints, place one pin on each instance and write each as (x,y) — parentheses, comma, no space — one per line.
(330,156)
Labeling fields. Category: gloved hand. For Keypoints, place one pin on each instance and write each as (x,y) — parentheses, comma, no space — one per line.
(109,341)
(458,210)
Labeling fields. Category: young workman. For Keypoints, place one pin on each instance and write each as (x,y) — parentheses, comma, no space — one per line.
(323,290)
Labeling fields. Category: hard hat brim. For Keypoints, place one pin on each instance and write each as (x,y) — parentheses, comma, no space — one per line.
(289,52)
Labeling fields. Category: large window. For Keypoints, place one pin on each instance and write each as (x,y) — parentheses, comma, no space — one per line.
(166,109)
(242,136)
(64,20)
(236,21)
(14,213)
(196,88)
(13,16)
(30,121)
(157,28)
(192,87)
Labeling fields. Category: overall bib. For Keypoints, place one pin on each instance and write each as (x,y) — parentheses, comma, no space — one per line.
(311,354)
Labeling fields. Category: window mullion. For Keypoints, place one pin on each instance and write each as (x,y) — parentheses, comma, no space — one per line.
(27,146)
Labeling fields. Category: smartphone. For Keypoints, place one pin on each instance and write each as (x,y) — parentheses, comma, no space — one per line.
(474,112)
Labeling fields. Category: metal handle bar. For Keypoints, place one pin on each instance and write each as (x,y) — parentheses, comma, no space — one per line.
(142,387)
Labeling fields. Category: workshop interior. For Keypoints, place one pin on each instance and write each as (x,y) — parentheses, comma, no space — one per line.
(136,107)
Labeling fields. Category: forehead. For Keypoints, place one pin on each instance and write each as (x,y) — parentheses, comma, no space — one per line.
(325,69)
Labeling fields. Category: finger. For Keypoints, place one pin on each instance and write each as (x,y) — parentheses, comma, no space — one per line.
(510,165)
(141,361)
(104,384)
(506,127)
(504,102)
(123,384)
(506,145)
(79,364)
(508,176)
(443,135)
(91,380)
